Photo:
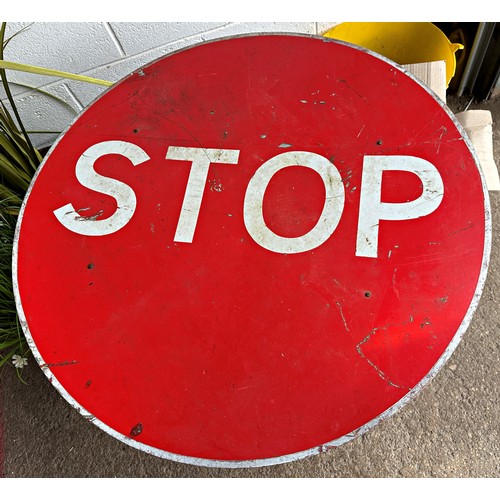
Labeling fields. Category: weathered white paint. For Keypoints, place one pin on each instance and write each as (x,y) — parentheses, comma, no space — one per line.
(201,159)
(328,220)
(372,209)
(124,195)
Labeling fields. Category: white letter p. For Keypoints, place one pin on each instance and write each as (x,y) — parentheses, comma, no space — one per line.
(372,210)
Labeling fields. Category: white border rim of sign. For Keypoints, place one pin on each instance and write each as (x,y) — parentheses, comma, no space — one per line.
(234,464)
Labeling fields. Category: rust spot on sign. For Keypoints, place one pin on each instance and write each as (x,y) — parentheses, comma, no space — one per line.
(136,430)
(61,363)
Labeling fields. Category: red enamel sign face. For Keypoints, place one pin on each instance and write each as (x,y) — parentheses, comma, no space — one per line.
(252,249)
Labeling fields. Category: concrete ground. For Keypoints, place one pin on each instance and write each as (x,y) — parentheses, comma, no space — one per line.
(451,429)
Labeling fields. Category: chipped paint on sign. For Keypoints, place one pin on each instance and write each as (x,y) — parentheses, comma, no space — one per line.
(371,208)
(88,177)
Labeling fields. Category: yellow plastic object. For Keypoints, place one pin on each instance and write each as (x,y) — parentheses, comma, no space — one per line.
(404,43)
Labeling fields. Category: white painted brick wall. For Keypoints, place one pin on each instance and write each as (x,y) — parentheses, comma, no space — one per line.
(109,51)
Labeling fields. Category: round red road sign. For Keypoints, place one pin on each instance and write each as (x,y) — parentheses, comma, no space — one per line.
(252,249)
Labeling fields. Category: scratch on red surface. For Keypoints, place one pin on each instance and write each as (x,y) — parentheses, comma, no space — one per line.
(339,307)
(380,373)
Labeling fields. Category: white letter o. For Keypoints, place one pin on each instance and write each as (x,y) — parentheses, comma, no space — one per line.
(328,220)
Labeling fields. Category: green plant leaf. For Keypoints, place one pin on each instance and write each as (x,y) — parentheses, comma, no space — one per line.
(11,152)
(7,40)
(3,76)
(14,176)
(28,68)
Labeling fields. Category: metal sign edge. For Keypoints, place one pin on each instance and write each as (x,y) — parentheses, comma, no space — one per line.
(316,449)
